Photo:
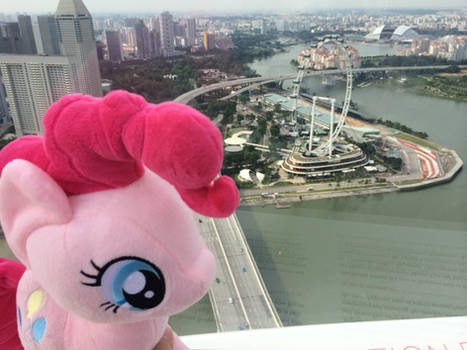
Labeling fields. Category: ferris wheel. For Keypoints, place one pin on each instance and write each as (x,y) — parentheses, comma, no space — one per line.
(333,133)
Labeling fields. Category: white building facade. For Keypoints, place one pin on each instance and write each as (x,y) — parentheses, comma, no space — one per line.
(32,84)
(167,34)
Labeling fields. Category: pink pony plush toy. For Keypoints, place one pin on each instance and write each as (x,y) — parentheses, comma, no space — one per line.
(98,211)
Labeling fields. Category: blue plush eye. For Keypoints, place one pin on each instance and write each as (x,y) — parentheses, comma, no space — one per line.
(130,282)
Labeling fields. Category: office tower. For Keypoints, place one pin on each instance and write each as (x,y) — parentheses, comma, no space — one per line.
(4,110)
(114,48)
(32,84)
(142,40)
(259,25)
(10,37)
(100,47)
(167,34)
(48,34)
(180,41)
(38,39)
(27,44)
(209,41)
(179,30)
(130,22)
(191,31)
(76,38)
(131,38)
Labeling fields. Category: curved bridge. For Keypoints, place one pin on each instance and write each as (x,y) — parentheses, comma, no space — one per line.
(190,95)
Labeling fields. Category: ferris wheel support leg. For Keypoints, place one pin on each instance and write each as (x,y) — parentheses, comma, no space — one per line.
(331,127)
(313,109)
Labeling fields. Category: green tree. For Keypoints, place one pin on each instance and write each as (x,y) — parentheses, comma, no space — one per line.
(269,115)
(275,130)
(243,99)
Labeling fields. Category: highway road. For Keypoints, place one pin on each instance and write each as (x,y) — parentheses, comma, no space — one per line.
(187,97)
(239,297)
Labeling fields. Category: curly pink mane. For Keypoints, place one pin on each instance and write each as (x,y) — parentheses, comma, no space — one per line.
(94,144)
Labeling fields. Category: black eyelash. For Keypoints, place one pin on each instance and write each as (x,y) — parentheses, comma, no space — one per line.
(96,278)
(109,306)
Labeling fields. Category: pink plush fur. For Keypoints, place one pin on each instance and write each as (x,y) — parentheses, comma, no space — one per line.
(10,274)
(98,211)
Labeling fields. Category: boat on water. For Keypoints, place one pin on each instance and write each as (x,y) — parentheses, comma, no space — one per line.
(281,206)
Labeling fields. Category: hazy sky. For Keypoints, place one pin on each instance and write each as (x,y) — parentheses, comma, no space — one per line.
(126,6)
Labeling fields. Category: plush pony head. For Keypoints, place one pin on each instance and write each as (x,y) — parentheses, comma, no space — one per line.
(98,209)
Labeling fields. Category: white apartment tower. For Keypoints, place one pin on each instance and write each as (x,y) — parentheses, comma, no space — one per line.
(4,110)
(76,38)
(32,84)
(167,34)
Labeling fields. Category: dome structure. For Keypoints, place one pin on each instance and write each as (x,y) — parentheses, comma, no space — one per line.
(388,33)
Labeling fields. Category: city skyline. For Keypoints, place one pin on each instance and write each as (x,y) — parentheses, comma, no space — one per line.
(205,6)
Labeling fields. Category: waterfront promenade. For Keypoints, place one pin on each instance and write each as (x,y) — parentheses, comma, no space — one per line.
(238,295)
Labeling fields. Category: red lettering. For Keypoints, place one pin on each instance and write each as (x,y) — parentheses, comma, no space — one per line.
(431,348)
(462,345)
(411,347)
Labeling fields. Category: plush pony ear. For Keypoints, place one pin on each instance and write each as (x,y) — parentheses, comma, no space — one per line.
(29,199)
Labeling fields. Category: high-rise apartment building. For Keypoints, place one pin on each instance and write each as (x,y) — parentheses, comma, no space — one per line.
(167,34)
(154,24)
(76,38)
(27,44)
(114,47)
(32,84)
(191,31)
(48,35)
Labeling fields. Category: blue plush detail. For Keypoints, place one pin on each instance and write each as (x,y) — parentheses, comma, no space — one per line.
(19,317)
(123,273)
(38,329)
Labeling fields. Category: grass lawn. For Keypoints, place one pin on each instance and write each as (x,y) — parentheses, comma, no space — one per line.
(416,140)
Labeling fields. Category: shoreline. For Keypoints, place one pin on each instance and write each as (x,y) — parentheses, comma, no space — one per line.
(299,196)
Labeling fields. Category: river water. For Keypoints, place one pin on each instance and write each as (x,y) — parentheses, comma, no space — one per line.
(391,256)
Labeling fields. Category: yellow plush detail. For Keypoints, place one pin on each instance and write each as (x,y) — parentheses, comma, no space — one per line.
(35,302)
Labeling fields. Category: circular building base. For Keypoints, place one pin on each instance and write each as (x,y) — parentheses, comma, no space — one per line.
(344,158)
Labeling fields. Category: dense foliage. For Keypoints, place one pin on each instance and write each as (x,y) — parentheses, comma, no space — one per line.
(249,47)
(402,127)
(147,77)
(451,87)
(370,151)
